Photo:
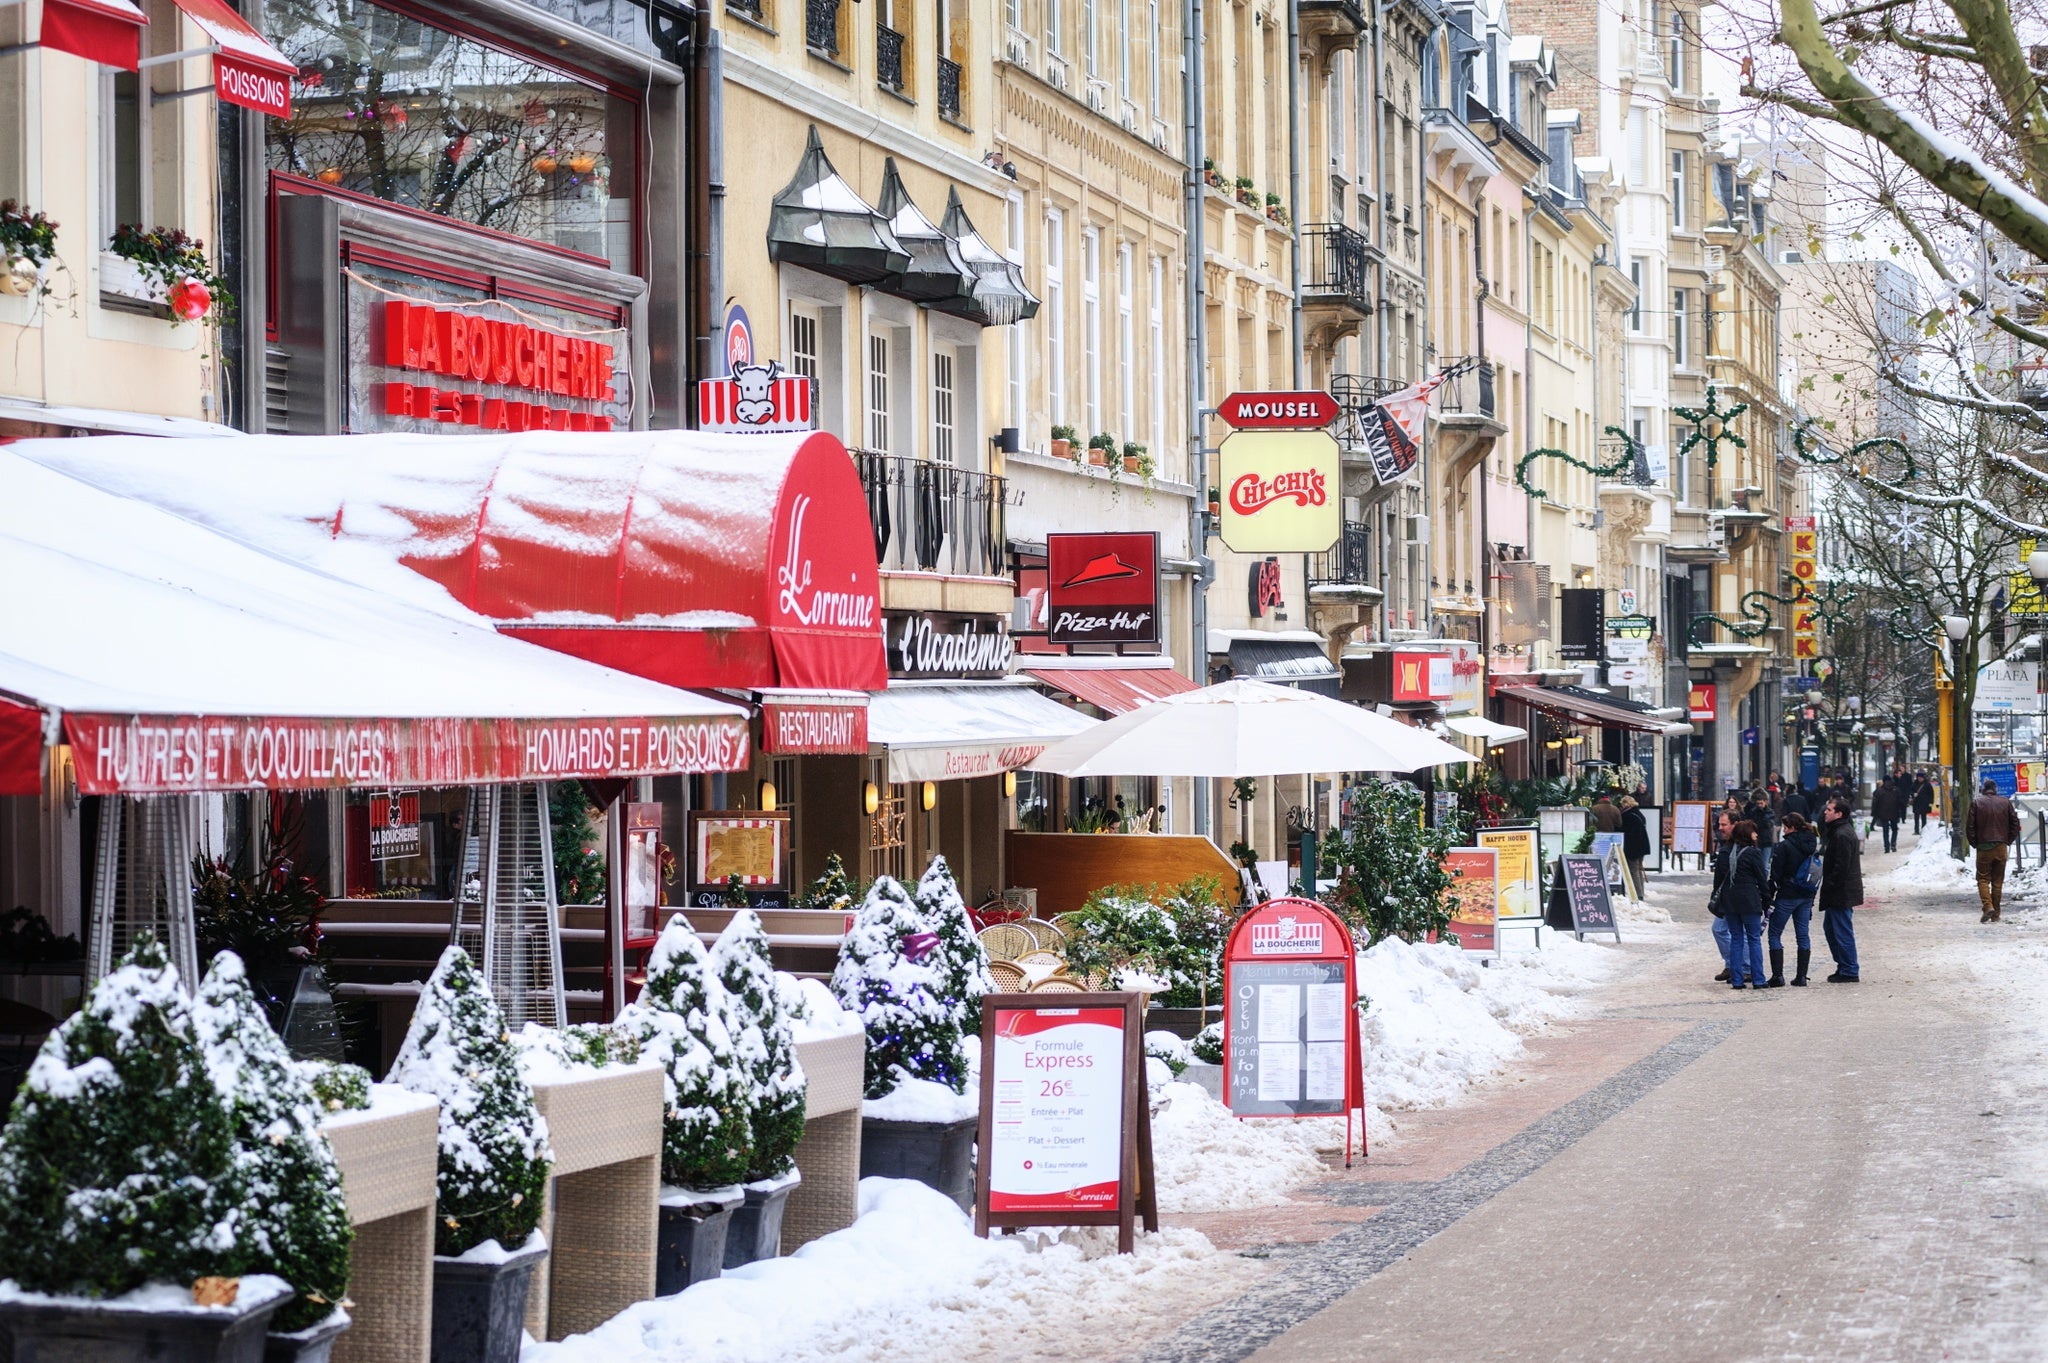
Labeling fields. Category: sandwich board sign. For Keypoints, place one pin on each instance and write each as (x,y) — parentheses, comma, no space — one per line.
(1579,902)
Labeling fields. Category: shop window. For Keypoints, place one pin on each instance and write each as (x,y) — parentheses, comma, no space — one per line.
(1032,805)
(404,844)
(139,134)
(393,107)
(878,392)
(944,431)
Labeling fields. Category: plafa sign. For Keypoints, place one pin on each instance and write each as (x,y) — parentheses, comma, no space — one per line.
(1280,491)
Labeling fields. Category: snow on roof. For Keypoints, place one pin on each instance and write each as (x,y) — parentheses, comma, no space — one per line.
(120,607)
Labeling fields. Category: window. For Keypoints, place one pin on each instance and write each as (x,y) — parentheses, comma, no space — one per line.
(1091,37)
(140,133)
(1155,338)
(1677,64)
(1681,466)
(1018,379)
(1055,316)
(1678,329)
(878,392)
(1154,45)
(1636,272)
(1638,149)
(1126,346)
(1123,48)
(1091,328)
(13,103)
(803,342)
(1013,13)
(1052,27)
(944,432)
(1678,191)
(460,129)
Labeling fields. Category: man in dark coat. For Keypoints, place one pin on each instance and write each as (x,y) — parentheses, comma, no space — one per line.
(1724,825)
(1606,818)
(1841,887)
(1635,841)
(1922,800)
(1794,802)
(1887,809)
(1993,827)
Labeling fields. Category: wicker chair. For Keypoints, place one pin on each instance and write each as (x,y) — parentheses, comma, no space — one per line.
(1059,984)
(1008,977)
(1049,935)
(1007,941)
(1043,958)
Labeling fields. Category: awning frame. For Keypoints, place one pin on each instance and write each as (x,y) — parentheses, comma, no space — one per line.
(1599,714)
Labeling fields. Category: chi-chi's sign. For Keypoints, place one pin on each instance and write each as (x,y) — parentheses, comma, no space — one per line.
(510,356)
(1280,491)
(1278,411)
(173,755)
(813,727)
(1287,936)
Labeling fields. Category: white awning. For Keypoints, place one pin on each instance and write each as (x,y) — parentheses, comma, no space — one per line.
(1478,726)
(951,731)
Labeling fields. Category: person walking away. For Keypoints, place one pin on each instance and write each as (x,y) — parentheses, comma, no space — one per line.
(1922,800)
(1795,880)
(1795,802)
(1635,841)
(1743,902)
(1841,887)
(1724,827)
(1887,808)
(1992,828)
(1606,818)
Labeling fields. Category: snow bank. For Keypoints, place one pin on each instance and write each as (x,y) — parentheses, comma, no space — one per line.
(1206,1160)
(1928,868)
(909,1279)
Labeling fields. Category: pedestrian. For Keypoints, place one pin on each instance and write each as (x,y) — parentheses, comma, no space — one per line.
(1743,901)
(1887,808)
(1922,800)
(1724,826)
(1841,887)
(1606,818)
(1635,841)
(1759,813)
(1795,803)
(1992,827)
(1795,879)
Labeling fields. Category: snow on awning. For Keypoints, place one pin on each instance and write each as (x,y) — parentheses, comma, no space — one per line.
(936,272)
(722,561)
(1478,726)
(108,32)
(950,731)
(818,222)
(999,297)
(1585,707)
(1287,662)
(1118,690)
(179,661)
(247,70)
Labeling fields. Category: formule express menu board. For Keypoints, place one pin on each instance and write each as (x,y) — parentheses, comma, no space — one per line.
(1056,1127)
(1287,1038)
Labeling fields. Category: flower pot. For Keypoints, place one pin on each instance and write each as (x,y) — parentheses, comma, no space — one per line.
(1063,449)
(691,1248)
(70,1329)
(1130,463)
(314,1344)
(1099,458)
(480,1302)
(938,1154)
(755,1231)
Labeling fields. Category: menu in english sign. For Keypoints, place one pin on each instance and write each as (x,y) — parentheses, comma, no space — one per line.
(1056,1125)
(1287,1034)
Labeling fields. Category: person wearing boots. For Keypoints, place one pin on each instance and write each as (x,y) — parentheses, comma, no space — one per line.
(1743,901)
(1724,828)
(1922,800)
(1841,887)
(1795,879)
(1888,808)
(1993,827)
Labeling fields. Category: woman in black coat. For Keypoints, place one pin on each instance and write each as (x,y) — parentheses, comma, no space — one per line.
(1841,887)
(1792,901)
(1743,901)
(1923,800)
(1635,841)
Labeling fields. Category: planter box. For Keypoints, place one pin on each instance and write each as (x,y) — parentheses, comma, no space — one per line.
(693,1228)
(1209,1077)
(940,1154)
(828,1157)
(1182,1022)
(755,1231)
(314,1344)
(387,1158)
(74,1329)
(480,1304)
(605,1127)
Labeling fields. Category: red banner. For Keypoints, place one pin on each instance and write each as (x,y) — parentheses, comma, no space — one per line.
(1278,411)
(813,727)
(183,754)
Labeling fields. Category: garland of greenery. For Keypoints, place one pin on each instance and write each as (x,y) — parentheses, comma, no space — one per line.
(1853,457)
(1631,456)
(1830,608)
(1699,418)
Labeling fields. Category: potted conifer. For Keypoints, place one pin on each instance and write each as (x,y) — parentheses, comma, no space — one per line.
(294,1222)
(917,1122)
(119,1179)
(766,1044)
(963,960)
(493,1168)
(683,1020)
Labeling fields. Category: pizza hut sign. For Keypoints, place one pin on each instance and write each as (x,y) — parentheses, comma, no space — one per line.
(1280,492)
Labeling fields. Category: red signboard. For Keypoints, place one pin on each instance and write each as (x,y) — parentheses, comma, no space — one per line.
(1420,676)
(1278,411)
(183,754)
(1103,588)
(511,356)
(804,726)
(1699,702)
(1290,1022)
(755,398)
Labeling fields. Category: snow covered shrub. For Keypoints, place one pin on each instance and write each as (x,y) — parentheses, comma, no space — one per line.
(963,961)
(1388,867)
(1207,1046)
(1168,1049)
(294,1222)
(683,1019)
(1119,928)
(494,1145)
(889,976)
(764,1042)
(118,1164)
(337,1087)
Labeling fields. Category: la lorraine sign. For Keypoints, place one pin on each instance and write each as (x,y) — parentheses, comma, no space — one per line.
(1280,491)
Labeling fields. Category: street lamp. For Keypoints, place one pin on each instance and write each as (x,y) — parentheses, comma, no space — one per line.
(1957,627)
(2037,566)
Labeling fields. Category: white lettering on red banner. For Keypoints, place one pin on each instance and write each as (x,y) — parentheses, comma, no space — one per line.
(798,599)
(150,755)
(463,345)
(1287,937)
(251,87)
(814,729)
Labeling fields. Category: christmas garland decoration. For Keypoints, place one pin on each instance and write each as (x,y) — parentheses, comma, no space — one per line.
(1853,457)
(1830,607)
(1631,456)
(1712,411)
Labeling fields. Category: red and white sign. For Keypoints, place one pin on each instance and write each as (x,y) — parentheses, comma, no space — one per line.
(1287,935)
(1699,702)
(187,754)
(511,358)
(247,70)
(756,398)
(1280,491)
(1475,890)
(1290,1024)
(1056,1130)
(1278,411)
(394,825)
(1103,588)
(813,726)
(1420,676)
(108,32)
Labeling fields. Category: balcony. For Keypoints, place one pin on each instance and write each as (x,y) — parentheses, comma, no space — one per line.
(1346,571)
(1334,264)
(1334,25)
(933,518)
(889,59)
(821,27)
(949,89)
(1467,397)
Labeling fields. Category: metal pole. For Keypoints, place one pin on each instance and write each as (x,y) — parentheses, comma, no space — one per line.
(1197,394)
(1294,175)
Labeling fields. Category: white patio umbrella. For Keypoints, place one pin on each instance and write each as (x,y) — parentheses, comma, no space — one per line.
(1246,728)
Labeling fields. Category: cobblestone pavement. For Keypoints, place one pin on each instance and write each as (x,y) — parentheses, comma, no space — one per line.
(1832,1173)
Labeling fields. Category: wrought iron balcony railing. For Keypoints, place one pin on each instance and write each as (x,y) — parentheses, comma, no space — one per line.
(888,58)
(949,89)
(821,26)
(1469,393)
(930,517)
(1348,563)
(1334,266)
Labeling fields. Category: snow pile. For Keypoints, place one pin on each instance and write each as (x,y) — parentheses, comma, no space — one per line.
(1206,1160)
(1928,868)
(1641,912)
(909,1279)
(814,1012)
(1429,1034)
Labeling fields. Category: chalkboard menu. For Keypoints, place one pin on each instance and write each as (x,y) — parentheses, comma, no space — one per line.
(1287,1038)
(1578,896)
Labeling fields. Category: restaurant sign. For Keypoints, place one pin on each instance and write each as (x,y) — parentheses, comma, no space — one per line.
(947,644)
(1280,491)
(1103,588)
(188,754)
(813,724)
(522,371)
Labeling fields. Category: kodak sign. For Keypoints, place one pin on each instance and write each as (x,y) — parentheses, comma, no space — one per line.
(528,365)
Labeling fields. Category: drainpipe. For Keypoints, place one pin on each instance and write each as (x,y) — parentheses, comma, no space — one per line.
(1294,200)
(706,231)
(1197,385)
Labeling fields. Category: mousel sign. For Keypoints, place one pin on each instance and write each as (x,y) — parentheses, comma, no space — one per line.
(1280,491)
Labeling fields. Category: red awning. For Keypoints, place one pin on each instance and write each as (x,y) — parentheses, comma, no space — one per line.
(1117,690)
(1612,713)
(105,31)
(247,70)
(21,749)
